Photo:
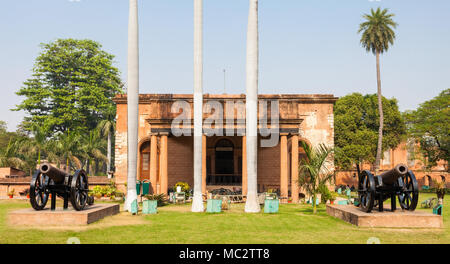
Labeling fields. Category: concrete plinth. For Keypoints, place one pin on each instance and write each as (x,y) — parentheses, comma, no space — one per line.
(60,217)
(397,219)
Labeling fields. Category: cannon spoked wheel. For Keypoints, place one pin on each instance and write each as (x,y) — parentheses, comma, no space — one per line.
(366,191)
(38,191)
(409,196)
(79,190)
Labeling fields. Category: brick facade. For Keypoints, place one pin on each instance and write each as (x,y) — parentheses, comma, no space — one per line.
(309,117)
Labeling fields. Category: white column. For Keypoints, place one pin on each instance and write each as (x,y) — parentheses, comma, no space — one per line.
(197,203)
(133,102)
(252,204)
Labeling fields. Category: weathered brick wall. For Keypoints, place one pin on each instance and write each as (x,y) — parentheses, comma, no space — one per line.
(180,168)
(269,168)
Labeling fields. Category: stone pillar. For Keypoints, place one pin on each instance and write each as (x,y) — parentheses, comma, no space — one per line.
(244,165)
(204,171)
(252,203)
(153,162)
(284,187)
(132,103)
(294,168)
(163,170)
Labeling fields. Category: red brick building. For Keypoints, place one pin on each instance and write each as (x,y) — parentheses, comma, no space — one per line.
(166,159)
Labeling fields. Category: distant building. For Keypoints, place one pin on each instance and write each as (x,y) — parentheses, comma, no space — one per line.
(404,153)
(10,172)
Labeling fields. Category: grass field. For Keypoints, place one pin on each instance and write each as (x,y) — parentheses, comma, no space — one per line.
(175,224)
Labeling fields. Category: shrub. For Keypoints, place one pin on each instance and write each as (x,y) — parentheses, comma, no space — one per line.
(325,192)
(184,187)
(161,198)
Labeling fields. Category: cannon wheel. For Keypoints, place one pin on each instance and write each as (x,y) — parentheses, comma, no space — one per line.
(409,195)
(38,193)
(79,190)
(367,191)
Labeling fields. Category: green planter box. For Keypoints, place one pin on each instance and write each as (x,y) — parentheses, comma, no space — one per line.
(134,207)
(271,206)
(214,206)
(150,207)
(343,202)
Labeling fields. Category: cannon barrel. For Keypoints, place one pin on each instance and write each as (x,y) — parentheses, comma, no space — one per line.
(390,177)
(55,174)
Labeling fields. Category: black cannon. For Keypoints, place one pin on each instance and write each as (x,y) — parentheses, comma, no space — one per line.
(50,180)
(396,183)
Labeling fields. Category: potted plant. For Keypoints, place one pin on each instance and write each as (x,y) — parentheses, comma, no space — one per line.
(11,193)
(151,203)
(333,197)
(97,192)
(440,191)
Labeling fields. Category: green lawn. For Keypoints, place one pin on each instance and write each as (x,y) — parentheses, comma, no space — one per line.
(175,224)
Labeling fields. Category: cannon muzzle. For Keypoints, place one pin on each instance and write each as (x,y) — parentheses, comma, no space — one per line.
(55,174)
(391,176)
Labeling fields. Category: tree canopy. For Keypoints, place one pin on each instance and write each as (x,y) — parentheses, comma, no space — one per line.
(429,125)
(71,87)
(356,128)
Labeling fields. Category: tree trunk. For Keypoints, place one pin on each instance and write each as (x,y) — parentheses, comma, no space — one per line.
(108,166)
(197,202)
(380,110)
(133,103)
(314,200)
(252,203)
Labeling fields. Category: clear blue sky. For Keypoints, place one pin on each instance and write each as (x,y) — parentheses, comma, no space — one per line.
(306,46)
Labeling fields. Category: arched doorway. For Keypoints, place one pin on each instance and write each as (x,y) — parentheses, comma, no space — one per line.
(224,157)
(225,160)
(144,162)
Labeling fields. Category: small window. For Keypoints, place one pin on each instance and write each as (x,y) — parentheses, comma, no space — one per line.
(145,161)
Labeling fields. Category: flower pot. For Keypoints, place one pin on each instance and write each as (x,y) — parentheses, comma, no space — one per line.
(331,202)
(149,207)
(11,196)
(28,196)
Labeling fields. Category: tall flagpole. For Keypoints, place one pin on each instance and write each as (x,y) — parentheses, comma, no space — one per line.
(252,204)
(132,103)
(197,203)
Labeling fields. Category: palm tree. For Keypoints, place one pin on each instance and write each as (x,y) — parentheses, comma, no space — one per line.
(197,203)
(39,140)
(66,149)
(314,171)
(106,128)
(9,156)
(133,103)
(377,36)
(252,204)
(92,149)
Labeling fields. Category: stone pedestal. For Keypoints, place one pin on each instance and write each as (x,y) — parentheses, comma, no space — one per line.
(60,217)
(397,219)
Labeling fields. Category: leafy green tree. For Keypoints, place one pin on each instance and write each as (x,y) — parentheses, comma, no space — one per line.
(429,125)
(71,88)
(356,128)
(313,170)
(377,36)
